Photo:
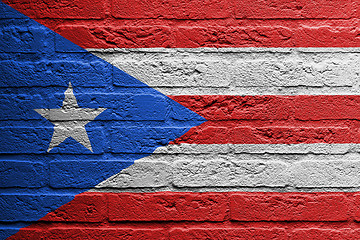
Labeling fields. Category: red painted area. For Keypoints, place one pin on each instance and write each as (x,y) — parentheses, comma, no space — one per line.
(84,208)
(273,119)
(218,215)
(171,9)
(200,23)
(63,9)
(229,233)
(167,207)
(299,9)
(289,207)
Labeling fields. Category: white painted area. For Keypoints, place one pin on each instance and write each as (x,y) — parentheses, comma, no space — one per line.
(242,71)
(70,120)
(242,167)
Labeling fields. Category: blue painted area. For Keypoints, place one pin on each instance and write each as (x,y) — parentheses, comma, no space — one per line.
(34,74)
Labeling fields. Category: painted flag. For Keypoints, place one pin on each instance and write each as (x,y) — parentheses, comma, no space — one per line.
(226,120)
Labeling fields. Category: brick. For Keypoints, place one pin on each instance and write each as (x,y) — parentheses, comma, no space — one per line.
(198,9)
(192,149)
(86,207)
(36,140)
(326,36)
(225,132)
(220,36)
(160,36)
(326,107)
(29,207)
(313,9)
(357,208)
(26,233)
(63,233)
(180,73)
(127,107)
(167,206)
(22,174)
(221,173)
(63,45)
(78,9)
(292,73)
(154,138)
(141,174)
(241,71)
(5,232)
(20,106)
(312,172)
(55,73)
(296,135)
(17,37)
(31,140)
(267,36)
(317,148)
(228,233)
(123,79)
(318,233)
(226,107)
(118,37)
(205,134)
(10,13)
(320,207)
(75,174)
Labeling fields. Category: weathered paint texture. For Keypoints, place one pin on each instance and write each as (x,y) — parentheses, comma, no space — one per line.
(241,71)
(65,127)
(200,23)
(258,99)
(210,215)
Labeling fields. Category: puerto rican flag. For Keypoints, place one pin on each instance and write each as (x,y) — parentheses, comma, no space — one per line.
(161,128)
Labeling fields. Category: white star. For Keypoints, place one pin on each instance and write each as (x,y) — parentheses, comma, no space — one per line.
(70,120)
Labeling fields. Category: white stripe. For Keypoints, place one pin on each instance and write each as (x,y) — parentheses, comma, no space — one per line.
(241,71)
(243,167)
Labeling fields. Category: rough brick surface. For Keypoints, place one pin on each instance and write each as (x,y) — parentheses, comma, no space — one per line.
(229,173)
(289,207)
(222,23)
(277,82)
(167,207)
(200,216)
(242,71)
(63,233)
(317,233)
(22,174)
(198,9)
(84,208)
(313,9)
(228,233)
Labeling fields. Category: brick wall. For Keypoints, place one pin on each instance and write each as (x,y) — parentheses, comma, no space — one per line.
(227,23)
(280,166)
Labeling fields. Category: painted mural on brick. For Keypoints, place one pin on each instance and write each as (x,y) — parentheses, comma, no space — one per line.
(179,120)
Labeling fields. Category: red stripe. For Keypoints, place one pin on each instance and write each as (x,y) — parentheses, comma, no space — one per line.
(199,23)
(188,215)
(273,119)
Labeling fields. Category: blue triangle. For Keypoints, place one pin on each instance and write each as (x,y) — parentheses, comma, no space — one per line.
(37,66)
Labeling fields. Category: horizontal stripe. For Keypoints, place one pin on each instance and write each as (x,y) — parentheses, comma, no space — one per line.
(273,119)
(242,167)
(191,9)
(207,215)
(302,107)
(199,23)
(263,230)
(241,71)
(189,34)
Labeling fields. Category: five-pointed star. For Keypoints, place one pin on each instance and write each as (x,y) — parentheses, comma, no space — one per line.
(70,120)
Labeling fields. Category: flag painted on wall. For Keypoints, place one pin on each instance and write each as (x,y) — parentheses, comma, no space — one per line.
(190,120)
